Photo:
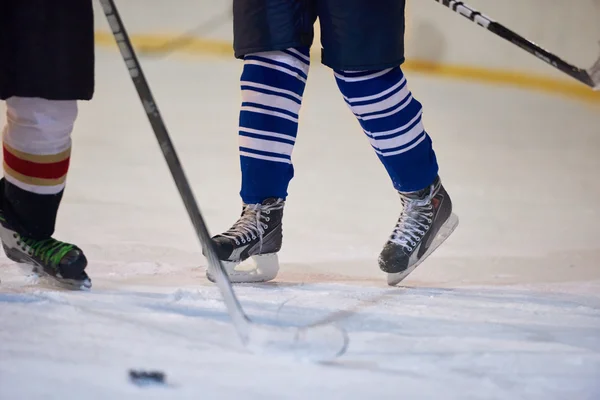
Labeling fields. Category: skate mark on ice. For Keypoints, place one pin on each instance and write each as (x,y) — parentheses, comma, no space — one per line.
(135,313)
(557,321)
(360,306)
(263,312)
(509,297)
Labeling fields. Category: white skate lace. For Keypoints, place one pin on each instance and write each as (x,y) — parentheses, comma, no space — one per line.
(414,222)
(250,225)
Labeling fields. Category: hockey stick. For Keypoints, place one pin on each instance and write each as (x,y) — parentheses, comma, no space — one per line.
(589,77)
(316,342)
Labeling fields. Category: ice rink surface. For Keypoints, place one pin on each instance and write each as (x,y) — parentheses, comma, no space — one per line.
(507,308)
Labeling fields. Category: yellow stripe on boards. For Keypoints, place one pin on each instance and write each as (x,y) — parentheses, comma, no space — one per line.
(199,46)
(150,43)
(499,76)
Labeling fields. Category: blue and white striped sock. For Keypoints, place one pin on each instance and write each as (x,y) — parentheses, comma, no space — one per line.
(272,86)
(392,120)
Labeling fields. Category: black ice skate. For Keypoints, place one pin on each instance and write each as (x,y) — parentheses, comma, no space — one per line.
(51,258)
(425,223)
(257,235)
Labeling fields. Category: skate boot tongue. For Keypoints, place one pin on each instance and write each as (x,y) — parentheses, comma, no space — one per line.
(413,201)
(423,196)
(414,220)
(265,204)
(270,201)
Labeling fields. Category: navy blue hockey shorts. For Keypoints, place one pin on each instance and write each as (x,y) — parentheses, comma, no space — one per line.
(355,34)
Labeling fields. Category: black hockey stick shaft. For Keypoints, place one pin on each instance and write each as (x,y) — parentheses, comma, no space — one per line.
(240,320)
(582,75)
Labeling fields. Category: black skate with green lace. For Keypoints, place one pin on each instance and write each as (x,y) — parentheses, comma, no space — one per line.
(61,261)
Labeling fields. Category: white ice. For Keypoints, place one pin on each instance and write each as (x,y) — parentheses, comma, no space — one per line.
(507,308)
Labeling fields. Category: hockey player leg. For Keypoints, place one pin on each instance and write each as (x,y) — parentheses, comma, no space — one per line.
(272,86)
(37,147)
(273,38)
(368,74)
(392,120)
(45,69)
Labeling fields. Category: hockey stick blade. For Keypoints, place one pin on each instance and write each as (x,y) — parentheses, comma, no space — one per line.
(316,343)
(594,73)
(587,77)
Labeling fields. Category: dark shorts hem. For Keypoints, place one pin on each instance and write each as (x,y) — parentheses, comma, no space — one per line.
(241,53)
(47,95)
(361,67)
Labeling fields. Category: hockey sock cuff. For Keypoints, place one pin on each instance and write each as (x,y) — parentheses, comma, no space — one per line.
(36,152)
(37,143)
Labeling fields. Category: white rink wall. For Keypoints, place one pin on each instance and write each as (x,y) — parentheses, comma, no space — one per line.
(568,28)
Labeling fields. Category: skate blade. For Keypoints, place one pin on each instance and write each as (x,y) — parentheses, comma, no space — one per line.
(61,283)
(443,234)
(260,268)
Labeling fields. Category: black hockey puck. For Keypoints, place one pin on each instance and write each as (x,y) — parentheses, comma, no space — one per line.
(140,377)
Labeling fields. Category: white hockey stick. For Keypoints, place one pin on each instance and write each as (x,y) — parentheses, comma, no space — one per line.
(594,73)
(589,77)
(318,342)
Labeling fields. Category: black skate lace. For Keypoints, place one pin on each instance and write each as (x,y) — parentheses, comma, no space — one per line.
(414,222)
(251,224)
